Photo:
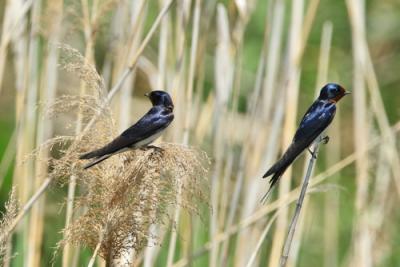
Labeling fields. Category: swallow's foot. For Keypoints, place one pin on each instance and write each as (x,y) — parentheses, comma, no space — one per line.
(325,139)
(313,154)
(155,148)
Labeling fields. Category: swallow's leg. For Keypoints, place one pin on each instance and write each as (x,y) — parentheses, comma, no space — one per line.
(313,154)
(156,148)
(325,139)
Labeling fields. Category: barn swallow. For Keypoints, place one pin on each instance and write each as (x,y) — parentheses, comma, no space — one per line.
(317,118)
(142,133)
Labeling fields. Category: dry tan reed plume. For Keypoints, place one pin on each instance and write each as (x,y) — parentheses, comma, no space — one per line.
(126,194)
(11,211)
(137,190)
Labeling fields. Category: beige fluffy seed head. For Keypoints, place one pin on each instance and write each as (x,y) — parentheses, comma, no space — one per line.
(11,211)
(138,189)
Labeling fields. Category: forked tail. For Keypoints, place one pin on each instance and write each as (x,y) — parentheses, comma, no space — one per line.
(96,161)
(91,154)
(279,168)
(272,182)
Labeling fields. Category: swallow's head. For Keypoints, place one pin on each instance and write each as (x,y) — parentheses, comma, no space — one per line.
(160,98)
(332,92)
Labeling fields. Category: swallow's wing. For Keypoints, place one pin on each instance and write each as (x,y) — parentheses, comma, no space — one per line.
(150,124)
(317,118)
(156,120)
(314,122)
(310,126)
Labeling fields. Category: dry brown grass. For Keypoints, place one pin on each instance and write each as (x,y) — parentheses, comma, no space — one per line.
(124,196)
(11,211)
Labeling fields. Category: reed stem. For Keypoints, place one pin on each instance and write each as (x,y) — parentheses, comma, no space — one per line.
(293,223)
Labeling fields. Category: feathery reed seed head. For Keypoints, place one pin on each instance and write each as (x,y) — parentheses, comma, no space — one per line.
(137,192)
(11,211)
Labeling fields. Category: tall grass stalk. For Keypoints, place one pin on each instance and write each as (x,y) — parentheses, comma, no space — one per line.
(89,37)
(224,71)
(14,16)
(293,223)
(178,90)
(331,205)
(261,240)
(292,92)
(152,251)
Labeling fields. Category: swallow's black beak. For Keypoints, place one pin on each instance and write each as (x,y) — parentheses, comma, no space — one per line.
(147,94)
(347,93)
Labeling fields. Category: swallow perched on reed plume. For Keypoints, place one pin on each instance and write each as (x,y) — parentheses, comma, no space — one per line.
(315,121)
(142,133)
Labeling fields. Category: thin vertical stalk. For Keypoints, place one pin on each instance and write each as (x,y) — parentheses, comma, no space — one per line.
(361,243)
(331,203)
(14,16)
(273,56)
(293,223)
(48,87)
(20,49)
(192,69)
(224,82)
(138,12)
(32,257)
(183,13)
(89,56)
(165,28)
(261,240)
(189,108)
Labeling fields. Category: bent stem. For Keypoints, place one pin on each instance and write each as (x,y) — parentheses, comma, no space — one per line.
(293,223)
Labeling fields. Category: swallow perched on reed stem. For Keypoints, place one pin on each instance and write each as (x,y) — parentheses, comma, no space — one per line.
(315,121)
(142,133)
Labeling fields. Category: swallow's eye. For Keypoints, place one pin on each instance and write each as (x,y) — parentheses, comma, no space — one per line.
(335,90)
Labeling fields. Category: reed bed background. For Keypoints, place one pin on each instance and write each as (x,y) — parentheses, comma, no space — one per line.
(241,73)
